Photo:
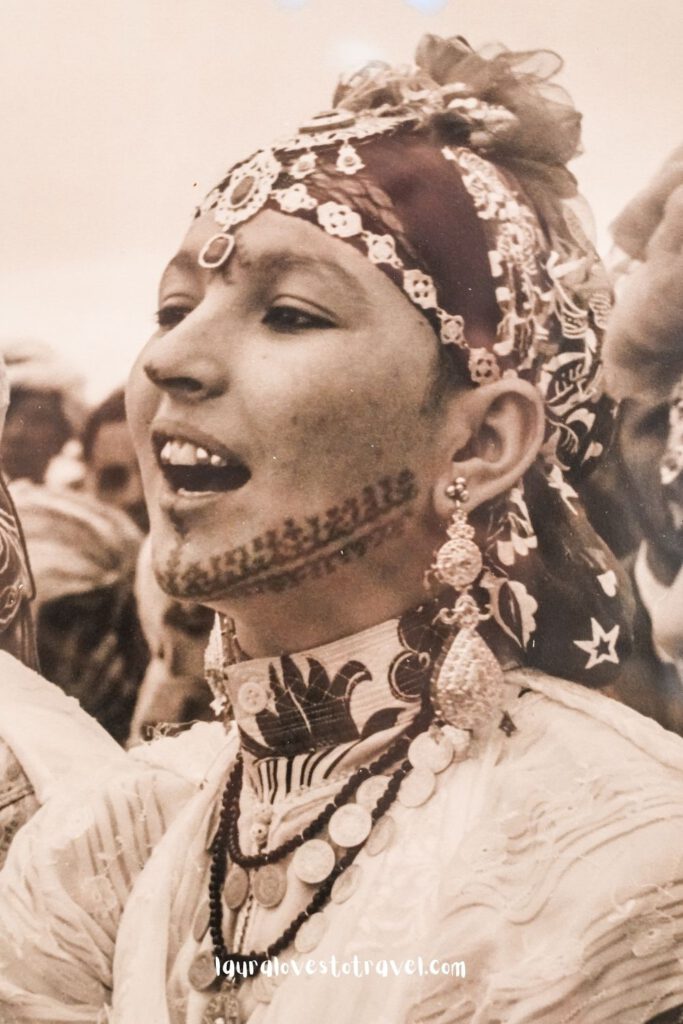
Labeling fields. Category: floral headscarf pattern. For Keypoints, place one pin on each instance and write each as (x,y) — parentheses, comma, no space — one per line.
(449,176)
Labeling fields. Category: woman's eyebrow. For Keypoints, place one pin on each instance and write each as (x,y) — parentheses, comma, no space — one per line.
(183,261)
(272,264)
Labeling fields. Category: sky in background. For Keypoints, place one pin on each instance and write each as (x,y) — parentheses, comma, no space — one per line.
(119,115)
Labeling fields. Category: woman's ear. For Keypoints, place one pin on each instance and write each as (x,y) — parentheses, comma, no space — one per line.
(504,426)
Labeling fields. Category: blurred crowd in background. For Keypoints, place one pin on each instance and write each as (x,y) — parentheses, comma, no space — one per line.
(133,657)
(105,631)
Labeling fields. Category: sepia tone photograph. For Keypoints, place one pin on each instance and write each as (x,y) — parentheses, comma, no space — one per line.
(341,512)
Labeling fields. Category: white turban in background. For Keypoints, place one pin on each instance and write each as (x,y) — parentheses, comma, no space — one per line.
(643,351)
(75,542)
(35,366)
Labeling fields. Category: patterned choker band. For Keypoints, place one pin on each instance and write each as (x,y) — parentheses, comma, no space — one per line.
(346,696)
(342,693)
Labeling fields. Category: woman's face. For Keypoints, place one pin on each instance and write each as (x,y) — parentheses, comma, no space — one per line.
(283,415)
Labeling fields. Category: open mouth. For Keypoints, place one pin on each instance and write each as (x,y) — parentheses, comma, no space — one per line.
(190,468)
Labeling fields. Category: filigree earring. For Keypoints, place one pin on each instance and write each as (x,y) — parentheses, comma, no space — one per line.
(467,686)
(221,651)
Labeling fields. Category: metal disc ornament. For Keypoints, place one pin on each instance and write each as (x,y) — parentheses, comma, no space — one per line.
(347,883)
(270,885)
(223,1008)
(236,887)
(264,987)
(200,925)
(310,933)
(431,750)
(381,836)
(350,825)
(313,861)
(202,973)
(417,787)
(252,697)
(370,791)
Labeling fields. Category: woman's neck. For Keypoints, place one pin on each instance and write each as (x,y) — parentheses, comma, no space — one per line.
(322,611)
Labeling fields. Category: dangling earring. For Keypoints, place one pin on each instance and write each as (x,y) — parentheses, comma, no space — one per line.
(221,651)
(467,686)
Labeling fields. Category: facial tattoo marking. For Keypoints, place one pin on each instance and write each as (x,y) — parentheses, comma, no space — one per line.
(284,558)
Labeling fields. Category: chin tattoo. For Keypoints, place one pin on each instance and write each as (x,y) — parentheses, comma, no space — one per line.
(314,547)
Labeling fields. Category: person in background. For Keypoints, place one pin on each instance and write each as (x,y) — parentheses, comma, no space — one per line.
(18,801)
(111,466)
(83,553)
(174,689)
(644,366)
(45,411)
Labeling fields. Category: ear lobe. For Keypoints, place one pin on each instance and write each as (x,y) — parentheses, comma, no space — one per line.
(507,427)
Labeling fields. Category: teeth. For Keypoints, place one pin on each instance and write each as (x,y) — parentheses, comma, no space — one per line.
(182,453)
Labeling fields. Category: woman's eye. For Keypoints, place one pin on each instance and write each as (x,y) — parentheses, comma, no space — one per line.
(170,316)
(292,318)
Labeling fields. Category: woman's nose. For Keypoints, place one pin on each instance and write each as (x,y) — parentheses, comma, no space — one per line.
(188,369)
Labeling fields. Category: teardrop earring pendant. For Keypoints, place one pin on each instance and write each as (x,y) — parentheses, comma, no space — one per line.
(467,686)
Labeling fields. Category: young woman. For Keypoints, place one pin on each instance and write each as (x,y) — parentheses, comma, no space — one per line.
(378,360)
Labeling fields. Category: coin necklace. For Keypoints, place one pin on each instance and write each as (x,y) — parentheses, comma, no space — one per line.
(248,861)
(226,841)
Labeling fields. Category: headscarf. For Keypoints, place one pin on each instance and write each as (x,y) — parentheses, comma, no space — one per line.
(77,543)
(450,177)
(83,555)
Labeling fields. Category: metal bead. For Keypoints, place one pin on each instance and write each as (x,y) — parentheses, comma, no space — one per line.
(457,491)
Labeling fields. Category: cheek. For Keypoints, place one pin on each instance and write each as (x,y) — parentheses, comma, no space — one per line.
(346,424)
(141,401)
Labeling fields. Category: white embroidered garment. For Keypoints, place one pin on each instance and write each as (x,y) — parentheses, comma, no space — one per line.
(550,862)
(45,728)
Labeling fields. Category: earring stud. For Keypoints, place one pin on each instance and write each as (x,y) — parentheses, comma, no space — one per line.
(457,491)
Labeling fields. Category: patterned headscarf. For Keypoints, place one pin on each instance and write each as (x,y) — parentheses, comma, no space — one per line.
(450,177)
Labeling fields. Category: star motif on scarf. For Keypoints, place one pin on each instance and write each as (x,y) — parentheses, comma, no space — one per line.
(601,647)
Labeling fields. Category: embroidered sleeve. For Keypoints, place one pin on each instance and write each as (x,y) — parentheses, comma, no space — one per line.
(17,799)
(63,889)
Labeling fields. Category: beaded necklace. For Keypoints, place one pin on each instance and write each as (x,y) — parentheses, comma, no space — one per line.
(227,841)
